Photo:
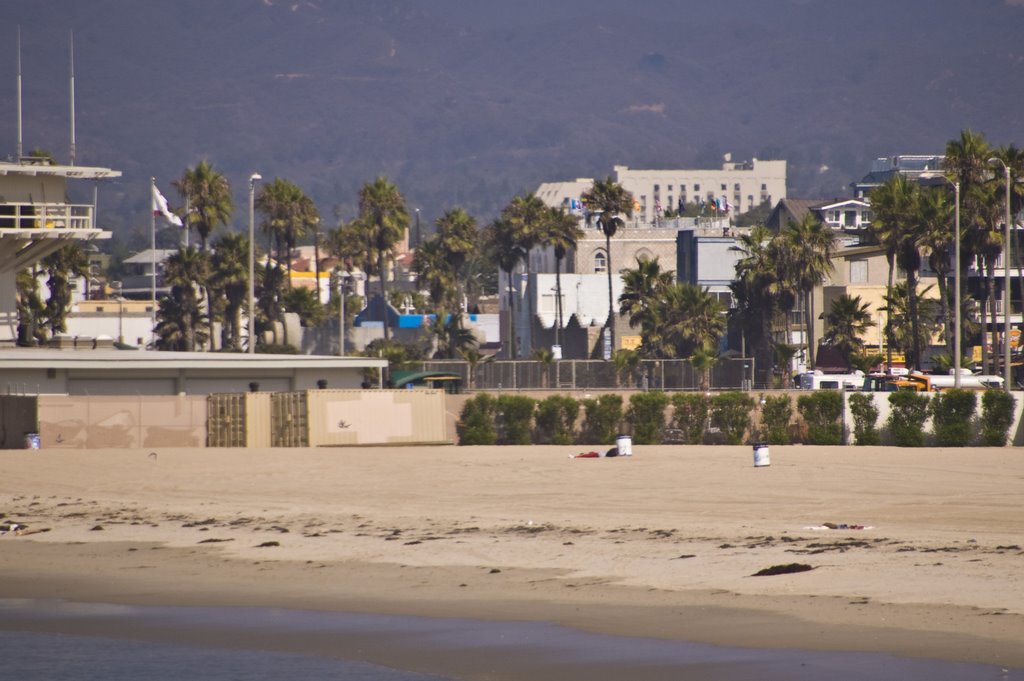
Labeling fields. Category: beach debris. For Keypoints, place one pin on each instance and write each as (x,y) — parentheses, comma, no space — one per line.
(613,452)
(96,528)
(494,571)
(268,544)
(839,526)
(685,556)
(785,569)
(9,527)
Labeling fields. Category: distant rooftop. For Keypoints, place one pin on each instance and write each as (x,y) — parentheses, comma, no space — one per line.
(76,172)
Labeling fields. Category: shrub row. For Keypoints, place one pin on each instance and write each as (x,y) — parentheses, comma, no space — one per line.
(727,418)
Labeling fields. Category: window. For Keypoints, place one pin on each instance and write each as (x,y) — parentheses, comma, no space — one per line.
(668,187)
(656,188)
(600,262)
(696,187)
(723,187)
(736,187)
(764,187)
(858,271)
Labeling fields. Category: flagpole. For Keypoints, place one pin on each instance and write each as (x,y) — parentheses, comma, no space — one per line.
(152,252)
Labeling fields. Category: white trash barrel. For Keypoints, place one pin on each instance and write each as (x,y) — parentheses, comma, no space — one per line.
(32,441)
(624,443)
(761,457)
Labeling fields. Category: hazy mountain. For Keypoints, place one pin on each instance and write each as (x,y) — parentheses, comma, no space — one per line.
(469,102)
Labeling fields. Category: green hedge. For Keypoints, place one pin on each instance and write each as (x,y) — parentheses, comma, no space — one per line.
(865,418)
(996,417)
(555,420)
(515,416)
(730,413)
(822,411)
(906,420)
(952,412)
(476,421)
(602,417)
(690,416)
(646,414)
(776,411)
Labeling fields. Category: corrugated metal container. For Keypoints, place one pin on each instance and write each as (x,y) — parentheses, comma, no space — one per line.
(289,425)
(359,417)
(116,422)
(238,420)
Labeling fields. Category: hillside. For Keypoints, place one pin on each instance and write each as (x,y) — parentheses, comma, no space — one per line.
(461,102)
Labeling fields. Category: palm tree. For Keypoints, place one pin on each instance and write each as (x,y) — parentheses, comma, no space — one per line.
(892,208)
(606,201)
(899,320)
(934,213)
(560,232)
(643,289)
(208,195)
(812,245)
(847,321)
(287,213)
(703,358)
(383,212)
(695,318)
(31,308)
(434,274)
(457,235)
(526,215)
(183,324)
(452,337)
(506,251)
(60,267)
(1014,160)
(756,288)
(229,282)
(966,162)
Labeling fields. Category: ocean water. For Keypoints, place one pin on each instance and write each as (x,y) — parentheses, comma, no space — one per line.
(125,643)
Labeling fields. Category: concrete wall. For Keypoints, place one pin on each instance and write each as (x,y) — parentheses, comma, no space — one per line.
(97,422)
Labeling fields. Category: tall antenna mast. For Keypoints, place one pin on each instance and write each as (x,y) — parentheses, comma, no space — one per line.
(71,44)
(20,150)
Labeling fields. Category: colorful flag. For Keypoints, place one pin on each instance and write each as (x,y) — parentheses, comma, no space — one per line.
(161,210)
(726,204)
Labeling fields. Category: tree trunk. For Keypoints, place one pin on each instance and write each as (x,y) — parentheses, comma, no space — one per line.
(915,326)
(611,309)
(891,258)
(990,273)
(558,301)
(382,273)
(511,317)
(809,321)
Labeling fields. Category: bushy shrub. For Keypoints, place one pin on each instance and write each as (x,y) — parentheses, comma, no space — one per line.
(555,420)
(906,420)
(646,414)
(690,416)
(476,421)
(865,416)
(601,419)
(776,411)
(730,413)
(996,417)
(952,412)
(821,411)
(515,416)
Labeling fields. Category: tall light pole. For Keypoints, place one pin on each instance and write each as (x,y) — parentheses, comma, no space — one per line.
(253,179)
(1007,373)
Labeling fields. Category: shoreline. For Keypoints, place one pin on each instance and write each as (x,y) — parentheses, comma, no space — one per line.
(605,546)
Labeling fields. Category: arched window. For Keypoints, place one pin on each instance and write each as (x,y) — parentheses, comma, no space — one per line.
(600,262)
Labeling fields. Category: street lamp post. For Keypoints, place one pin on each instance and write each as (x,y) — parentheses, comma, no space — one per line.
(253,179)
(1007,373)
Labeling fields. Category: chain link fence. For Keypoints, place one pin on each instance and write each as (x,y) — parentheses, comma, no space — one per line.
(571,374)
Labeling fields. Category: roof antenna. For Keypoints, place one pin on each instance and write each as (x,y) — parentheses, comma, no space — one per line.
(71,45)
(20,150)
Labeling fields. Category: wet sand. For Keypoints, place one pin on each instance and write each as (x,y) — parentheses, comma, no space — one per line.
(664,544)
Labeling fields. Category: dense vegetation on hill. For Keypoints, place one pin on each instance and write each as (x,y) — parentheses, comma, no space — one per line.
(470,103)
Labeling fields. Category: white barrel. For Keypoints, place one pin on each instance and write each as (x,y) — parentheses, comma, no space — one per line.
(761,457)
(624,443)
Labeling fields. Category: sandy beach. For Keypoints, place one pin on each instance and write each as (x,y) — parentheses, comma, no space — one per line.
(913,552)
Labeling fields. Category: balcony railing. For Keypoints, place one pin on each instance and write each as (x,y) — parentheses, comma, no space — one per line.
(45,216)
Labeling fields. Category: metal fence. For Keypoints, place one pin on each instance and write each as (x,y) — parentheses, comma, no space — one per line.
(572,374)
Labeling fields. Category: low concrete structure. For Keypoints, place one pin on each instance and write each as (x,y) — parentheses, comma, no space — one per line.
(47,371)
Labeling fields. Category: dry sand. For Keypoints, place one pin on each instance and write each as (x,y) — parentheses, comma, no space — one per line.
(662,544)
